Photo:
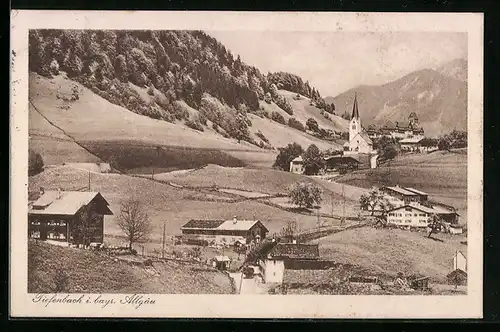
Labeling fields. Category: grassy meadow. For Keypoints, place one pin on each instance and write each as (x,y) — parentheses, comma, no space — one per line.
(393,250)
(94,272)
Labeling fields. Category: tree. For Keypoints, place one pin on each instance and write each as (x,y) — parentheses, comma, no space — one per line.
(305,194)
(312,124)
(286,155)
(35,163)
(386,147)
(373,200)
(435,224)
(313,160)
(290,230)
(134,221)
(444,144)
(85,227)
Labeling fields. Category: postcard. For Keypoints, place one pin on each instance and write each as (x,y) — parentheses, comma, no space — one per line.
(246,164)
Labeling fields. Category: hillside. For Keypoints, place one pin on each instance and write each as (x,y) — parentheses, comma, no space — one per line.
(187,81)
(95,272)
(437,96)
(390,251)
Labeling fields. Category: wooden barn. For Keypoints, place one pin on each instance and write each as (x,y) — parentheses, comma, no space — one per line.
(73,217)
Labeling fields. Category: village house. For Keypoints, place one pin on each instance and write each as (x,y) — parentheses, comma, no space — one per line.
(56,215)
(359,141)
(225,231)
(274,262)
(399,196)
(339,163)
(412,144)
(297,165)
(419,216)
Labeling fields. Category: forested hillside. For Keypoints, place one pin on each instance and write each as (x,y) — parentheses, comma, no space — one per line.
(170,66)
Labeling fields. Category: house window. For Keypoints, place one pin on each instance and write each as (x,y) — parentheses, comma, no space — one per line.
(415,214)
(36,223)
(62,223)
(407,214)
(353,127)
(35,234)
(408,221)
(400,214)
(408,209)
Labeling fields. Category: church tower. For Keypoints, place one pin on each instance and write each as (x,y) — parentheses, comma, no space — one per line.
(355,124)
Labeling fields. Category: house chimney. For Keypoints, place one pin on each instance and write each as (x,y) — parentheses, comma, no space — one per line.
(235,220)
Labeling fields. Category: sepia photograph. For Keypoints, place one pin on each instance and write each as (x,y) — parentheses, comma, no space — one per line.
(222,161)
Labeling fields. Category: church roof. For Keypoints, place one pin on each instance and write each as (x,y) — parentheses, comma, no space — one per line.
(365,137)
(355,111)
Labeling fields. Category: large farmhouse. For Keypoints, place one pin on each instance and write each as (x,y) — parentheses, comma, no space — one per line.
(225,231)
(68,216)
(399,196)
(419,215)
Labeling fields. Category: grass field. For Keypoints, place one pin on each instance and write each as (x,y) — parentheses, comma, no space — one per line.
(441,174)
(392,250)
(94,272)
(164,203)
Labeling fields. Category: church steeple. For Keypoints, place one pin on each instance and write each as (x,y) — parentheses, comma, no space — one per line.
(355,111)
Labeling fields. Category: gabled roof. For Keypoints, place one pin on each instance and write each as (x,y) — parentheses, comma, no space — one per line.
(234,225)
(65,202)
(203,224)
(423,208)
(298,159)
(412,140)
(342,159)
(401,190)
(238,225)
(416,191)
(295,250)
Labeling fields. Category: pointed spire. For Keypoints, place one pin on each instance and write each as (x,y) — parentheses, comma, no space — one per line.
(355,112)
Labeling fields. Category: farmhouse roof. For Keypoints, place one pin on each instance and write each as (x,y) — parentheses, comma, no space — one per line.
(342,158)
(222,259)
(239,225)
(295,250)
(297,159)
(233,225)
(401,190)
(425,209)
(416,191)
(308,277)
(411,140)
(66,202)
(196,223)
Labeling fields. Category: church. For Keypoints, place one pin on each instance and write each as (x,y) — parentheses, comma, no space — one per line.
(359,142)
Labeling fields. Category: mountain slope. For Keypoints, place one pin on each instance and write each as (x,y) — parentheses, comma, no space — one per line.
(439,100)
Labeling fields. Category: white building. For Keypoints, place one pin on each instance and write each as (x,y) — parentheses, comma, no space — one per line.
(412,144)
(272,263)
(297,165)
(418,215)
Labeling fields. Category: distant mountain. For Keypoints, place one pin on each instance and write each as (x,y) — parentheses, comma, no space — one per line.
(438,97)
(456,69)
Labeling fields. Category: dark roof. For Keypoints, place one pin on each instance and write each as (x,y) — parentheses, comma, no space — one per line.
(196,223)
(342,159)
(295,250)
(355,111)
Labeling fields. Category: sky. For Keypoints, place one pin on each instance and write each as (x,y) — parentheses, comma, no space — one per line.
(334,62)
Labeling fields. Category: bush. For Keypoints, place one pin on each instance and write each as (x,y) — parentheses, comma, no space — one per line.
(296,124)
(196,125)
(35,163)
(284,104)
(262,137)
(275,116)
(202,119)
(151,91)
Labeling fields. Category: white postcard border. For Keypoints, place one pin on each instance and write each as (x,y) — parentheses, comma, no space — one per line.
(246,306)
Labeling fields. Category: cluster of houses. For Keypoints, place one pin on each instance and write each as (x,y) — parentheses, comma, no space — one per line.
(412,208)
(359,149)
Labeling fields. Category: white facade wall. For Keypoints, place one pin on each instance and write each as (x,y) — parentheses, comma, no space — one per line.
(272,270)
(297,168)
(408,217)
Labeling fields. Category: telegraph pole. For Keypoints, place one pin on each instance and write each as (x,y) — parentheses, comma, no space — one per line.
(89,180)
(163,242)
